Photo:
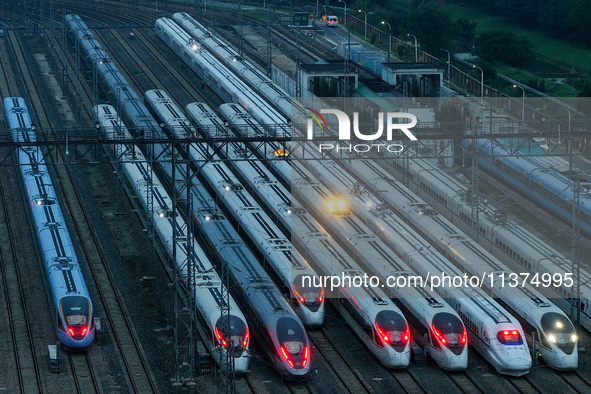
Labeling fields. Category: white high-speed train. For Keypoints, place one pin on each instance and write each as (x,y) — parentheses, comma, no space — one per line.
(224,82)
(274,248)
(279,330)
(218,334)
(437,326)
(545,325)
(250,171)
(72,305)
(492,331)
(506,239)
(374,318)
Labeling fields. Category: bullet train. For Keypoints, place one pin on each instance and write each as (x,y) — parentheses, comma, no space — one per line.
(374,318)
(536,178)
(274,248)
(278,97)
(437,326)
(221,80)
(396,351)
(425,307)
(263,185)
(73,306)
(492,331)
(546,326)
(220,335)
(271,320)
(504,238)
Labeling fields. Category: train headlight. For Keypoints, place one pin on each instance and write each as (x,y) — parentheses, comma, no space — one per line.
(228,188)
(207,218)
(552,338)
(39,202)
(337,205)
(559,324)
(573,338)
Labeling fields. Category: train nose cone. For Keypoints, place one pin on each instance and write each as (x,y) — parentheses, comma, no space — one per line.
(569,362)
(518,364)
(457,363)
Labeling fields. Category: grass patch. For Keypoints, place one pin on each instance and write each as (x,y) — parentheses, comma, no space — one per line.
(545,46)
(562,52)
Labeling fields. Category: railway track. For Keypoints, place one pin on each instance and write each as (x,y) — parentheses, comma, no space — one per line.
(83,372)
(524,385)
(138,375)
(408,381)
(576,381)
(25,358)
(466,383)
(353,381)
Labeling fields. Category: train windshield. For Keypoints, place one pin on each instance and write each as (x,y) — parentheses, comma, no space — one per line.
(293,342)
(76,313)
(392,328)
(231,331)
(306,293)
(449,331)
(559,330)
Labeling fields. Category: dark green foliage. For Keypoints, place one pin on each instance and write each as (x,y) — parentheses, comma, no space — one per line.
(466,31)
(504,47)
(561,18)
(432,25)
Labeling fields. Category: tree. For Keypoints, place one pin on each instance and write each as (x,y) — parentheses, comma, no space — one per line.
(504,47)
(432,25)
(466,31)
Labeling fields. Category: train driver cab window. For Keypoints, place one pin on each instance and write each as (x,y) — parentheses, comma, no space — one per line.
(76,312)
(293,342)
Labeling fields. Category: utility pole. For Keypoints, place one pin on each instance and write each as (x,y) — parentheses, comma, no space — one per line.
(576,246)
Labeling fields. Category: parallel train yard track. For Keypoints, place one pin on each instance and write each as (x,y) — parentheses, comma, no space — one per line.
(134,364)
(136,367)
(25,358)
(352,380)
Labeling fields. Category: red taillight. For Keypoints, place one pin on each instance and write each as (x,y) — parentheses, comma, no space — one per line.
(505,332)
(71,331)
(245,341)
(304,363)
(302,300)
(306,353)
(290,363)
(284,353)
(217,334)
(84,331)
(514,332)
(464,337)
(439,336)
(384,336)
